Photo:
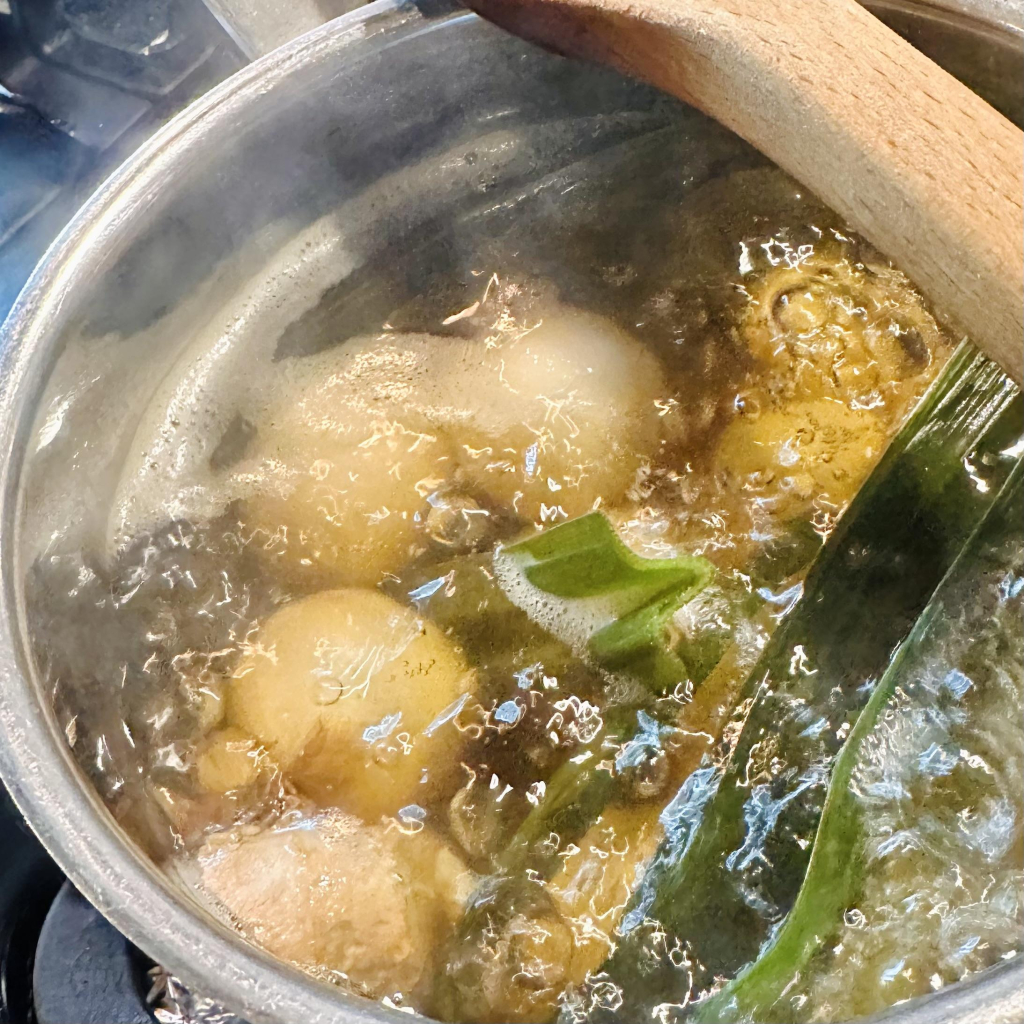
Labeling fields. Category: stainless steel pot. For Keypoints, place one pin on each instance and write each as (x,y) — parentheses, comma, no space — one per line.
(281,183)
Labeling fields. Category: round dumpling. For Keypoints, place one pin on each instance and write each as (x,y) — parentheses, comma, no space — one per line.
(832,327)
(804,451)
(561,418)
(356,698)
(331,894)
(345,464)
(348,511)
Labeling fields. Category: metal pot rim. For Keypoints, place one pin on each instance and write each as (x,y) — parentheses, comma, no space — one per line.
(36,766)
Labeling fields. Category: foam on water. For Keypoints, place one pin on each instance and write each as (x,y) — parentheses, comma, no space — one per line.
(226,371)
(573,621)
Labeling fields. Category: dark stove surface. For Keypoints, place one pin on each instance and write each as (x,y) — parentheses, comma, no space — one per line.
(82,84)
(29,882)
(60,961)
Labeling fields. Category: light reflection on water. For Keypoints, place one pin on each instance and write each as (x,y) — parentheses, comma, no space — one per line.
(774,399)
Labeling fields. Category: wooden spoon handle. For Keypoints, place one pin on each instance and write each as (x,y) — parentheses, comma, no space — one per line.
(914,160)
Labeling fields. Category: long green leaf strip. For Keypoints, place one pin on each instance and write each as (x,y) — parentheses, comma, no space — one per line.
(925,717)
(717,888)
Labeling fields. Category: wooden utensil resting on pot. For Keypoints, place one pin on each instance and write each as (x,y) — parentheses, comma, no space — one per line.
(919,164)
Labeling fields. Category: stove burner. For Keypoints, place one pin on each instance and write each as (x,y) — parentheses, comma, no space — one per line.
(29,880)
(86,972)
(60,961)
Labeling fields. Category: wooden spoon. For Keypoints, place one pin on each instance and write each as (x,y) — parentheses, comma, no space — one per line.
(914,160)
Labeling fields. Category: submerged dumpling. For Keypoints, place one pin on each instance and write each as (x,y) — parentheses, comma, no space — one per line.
(348,510)
(828,326)
(345,463)
(563,417)
(356,698)
(333,895)
(229,760)
(804,451)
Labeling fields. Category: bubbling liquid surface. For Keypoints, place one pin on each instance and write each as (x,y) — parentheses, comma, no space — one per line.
(296,676)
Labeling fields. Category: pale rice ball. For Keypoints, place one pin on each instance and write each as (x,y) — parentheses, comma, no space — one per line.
(831,327)
(562,417)
(804,452)
(344,465)
(333,895)
(356,698)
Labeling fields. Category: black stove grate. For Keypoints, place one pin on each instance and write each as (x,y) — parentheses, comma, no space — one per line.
(82,84)
(85,971)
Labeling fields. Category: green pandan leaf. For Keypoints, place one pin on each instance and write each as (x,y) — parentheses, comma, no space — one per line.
(837,864)
(640,643)
(580,581)
(718,888)
(584,558)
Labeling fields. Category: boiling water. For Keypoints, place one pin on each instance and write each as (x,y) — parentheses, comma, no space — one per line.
(943,890)
(296,668)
